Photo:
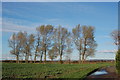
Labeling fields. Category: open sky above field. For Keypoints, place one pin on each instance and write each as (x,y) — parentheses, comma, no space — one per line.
(27,16)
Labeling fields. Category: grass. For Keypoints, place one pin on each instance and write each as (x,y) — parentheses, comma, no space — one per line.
(31,70)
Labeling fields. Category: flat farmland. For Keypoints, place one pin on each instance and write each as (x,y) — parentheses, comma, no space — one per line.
(37,70)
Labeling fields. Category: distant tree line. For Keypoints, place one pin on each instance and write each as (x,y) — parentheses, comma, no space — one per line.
(53,42)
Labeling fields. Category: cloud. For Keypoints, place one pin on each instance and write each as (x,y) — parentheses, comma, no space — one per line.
(14,25)
(107,51)
(20,10)
(0,21)
(11,12)
(27,11)
(104,36)
(7,30)
(53,20)
(7,56)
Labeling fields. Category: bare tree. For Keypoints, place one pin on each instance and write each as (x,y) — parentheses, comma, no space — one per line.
(91,49)
(56,41)
(88,41)
(16,43)
(69,47)
(84,40)
(116,36)
(37,47)
(28,45)
(53,53)
(60,37)
(77,38)
(45,32)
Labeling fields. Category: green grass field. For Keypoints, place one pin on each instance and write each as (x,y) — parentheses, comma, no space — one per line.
(31,70)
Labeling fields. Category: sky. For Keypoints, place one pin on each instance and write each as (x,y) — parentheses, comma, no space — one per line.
(26,16)
(60,0)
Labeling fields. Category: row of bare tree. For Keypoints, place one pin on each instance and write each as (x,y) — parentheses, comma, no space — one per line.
(53,42)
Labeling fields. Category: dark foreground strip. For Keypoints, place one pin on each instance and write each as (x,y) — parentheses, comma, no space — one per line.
(60,79)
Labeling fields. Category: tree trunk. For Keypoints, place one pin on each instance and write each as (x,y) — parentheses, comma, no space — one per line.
(83,55)
(31,59)
(79,57)
(61,53)
(61,58)
(26,58)
(51,59)
(69,61)
(45,56)
(83,58)
(35,58)
(41,57)
(17,59)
